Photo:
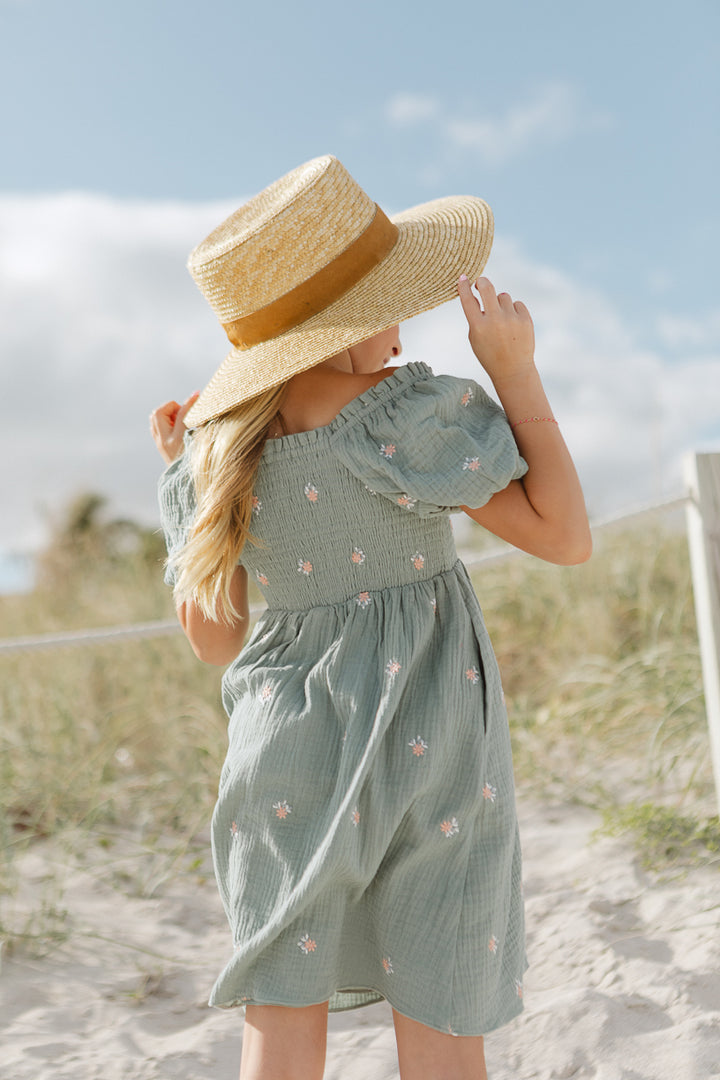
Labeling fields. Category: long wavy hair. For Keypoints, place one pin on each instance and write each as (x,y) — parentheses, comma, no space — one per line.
(224,458)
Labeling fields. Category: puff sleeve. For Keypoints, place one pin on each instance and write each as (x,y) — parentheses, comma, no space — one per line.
(438,444)
(176,496)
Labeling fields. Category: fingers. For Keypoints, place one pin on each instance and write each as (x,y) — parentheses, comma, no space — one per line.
(167,429)
(490,301)
(486,290)
(162,419)
(169,408)
(469,301)
(186,406)
(167,415)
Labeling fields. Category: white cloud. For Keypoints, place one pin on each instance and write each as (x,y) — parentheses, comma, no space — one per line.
(552,114)
(99,322)
(691,334)
(407,110)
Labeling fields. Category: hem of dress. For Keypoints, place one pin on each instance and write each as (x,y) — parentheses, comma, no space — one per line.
(379,996)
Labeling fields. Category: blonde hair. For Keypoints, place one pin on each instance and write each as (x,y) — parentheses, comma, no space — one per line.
(224,459)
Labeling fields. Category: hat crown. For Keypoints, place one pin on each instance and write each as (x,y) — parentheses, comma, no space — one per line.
(280,238)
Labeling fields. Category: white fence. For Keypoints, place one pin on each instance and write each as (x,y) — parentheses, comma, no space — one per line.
(702,475)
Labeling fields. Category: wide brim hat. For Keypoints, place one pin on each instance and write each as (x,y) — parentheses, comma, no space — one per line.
(312,266)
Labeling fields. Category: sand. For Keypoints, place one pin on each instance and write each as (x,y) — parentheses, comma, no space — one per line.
(624,982)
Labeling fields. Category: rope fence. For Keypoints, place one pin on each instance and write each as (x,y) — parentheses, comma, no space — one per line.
(165,627)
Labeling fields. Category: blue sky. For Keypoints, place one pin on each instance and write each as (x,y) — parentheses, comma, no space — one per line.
(128,128)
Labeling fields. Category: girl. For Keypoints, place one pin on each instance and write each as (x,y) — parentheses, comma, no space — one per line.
(364,839)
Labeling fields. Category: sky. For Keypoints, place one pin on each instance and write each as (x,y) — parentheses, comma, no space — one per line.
(130,130)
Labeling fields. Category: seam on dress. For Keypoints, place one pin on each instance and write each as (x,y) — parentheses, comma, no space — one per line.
(351,599)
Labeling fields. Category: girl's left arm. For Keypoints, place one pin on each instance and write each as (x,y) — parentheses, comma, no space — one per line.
(218,642)
(544,513)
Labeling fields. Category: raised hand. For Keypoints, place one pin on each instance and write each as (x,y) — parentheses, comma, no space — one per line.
(167,429)
(500,331)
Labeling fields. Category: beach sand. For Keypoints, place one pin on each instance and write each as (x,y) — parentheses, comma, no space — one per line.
(624,978)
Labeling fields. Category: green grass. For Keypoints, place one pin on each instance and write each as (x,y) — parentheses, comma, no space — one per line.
(665,838)
(600,665)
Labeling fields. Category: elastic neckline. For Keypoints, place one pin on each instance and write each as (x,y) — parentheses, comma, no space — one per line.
(358,407)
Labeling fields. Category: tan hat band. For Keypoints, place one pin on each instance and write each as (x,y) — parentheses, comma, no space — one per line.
(319,291)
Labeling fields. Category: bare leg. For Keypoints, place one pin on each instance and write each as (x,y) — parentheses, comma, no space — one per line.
(281,1043)
(427,1054)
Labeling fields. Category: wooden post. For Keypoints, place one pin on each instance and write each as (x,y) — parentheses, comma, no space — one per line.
(702,475)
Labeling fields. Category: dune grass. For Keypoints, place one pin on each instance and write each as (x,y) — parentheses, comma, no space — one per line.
(600,665)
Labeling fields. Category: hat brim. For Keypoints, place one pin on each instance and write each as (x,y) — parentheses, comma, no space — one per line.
(437,242)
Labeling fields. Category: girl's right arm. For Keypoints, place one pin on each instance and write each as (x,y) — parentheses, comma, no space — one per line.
(213,642)
(544,513)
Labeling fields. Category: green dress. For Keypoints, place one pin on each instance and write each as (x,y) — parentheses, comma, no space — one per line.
(365,838)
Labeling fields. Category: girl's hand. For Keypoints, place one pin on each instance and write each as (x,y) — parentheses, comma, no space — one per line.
(166,427)
(501,332)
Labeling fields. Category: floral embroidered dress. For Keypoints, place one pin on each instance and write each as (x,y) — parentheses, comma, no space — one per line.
(365,839)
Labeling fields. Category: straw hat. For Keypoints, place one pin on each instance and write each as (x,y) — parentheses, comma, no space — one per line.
(312,266)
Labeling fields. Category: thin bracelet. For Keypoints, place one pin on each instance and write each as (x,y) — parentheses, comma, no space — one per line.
(535,420)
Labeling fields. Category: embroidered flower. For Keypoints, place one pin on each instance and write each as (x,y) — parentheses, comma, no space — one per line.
(518,988)
(370,490)
(489,792)
(305,567)
(418,561)
(307,944)
(363,599)
(387,964)
(493,944)
(472,675)
(311,493)
(473,464)
(450,827)
(234,830)
(467,397)
(433,604)
(282,809)
(407,501)
(387,450)
(392,667)
(355,816)
(358,556)
(418,745)
(261,577)
(266,693)
(256,505)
